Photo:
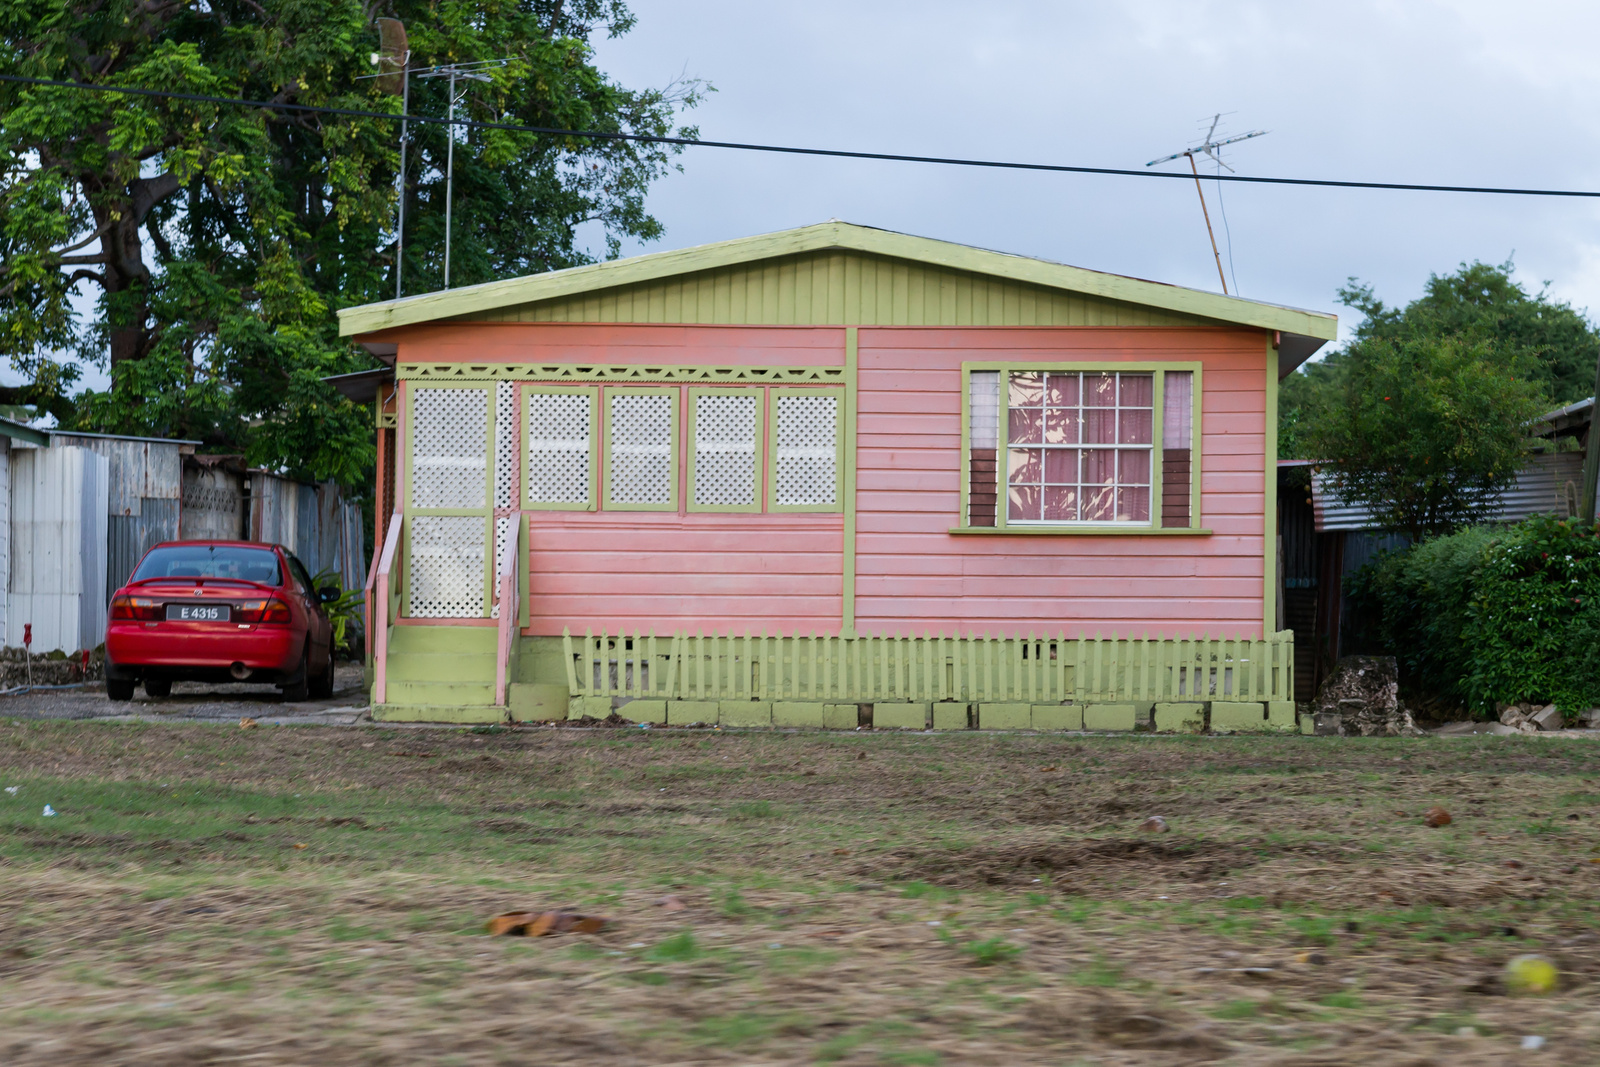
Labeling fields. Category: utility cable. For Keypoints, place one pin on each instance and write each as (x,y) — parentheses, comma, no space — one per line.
(836,153)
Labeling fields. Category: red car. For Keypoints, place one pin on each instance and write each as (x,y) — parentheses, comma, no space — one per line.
(219,611)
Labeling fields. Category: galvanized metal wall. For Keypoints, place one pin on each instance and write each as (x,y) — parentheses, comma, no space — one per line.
(1547,484)
(143,501)
(59,503)
(213,504)
(314,522)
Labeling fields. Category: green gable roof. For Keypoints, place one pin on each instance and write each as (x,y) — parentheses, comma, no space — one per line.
(839,273)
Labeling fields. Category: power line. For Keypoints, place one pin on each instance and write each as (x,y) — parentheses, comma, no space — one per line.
(836,153)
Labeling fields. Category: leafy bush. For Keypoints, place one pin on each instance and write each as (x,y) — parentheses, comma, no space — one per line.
(1535,617)
(1491,615)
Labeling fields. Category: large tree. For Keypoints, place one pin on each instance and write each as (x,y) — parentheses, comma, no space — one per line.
(217,241)
(1543,338)
(1427,432)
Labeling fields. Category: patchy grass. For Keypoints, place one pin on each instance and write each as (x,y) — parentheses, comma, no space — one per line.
(300,895)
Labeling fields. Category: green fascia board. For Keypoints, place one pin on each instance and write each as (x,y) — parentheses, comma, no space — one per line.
(1314,326)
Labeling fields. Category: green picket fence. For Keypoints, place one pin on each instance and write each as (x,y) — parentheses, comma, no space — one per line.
(853,670)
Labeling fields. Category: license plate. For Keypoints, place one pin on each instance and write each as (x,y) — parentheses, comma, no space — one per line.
(199,612)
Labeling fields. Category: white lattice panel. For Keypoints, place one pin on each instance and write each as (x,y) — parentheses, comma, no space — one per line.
(505,444)
(505,546)
(446,566)
(725,450)
(641,448)
(807,458)
(449,448)
(558,447)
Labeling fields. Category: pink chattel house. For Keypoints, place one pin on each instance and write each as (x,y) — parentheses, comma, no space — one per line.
(830,477)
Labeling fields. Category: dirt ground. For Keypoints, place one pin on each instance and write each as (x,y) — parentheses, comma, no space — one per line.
(194,702)
(304,894)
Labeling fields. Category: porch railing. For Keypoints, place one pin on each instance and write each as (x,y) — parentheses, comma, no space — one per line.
(383,606)
(506,624)
(930,668)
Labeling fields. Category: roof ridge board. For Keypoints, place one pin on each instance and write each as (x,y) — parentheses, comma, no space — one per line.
(826,236)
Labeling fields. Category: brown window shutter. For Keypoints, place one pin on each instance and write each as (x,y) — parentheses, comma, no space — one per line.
(981,487)
(1175,484)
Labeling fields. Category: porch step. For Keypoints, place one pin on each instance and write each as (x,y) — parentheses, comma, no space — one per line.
(443,694)
(443,639)
(407,712)
(441,666)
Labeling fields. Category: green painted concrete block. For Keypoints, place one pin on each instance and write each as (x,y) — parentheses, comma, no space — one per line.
(1180,718)
(896,716)
(537,702)
(1005,716)
(598,707)
(745,713)
(807,714)
(948,716)
(1057,716)
(1281,715)
(1110,717)
(684,712)
(1308,725)
(644,711)
(841,716)
(455,713)
(1241,716)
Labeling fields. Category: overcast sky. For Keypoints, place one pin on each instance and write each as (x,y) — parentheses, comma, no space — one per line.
(1458,93)
(1473,93)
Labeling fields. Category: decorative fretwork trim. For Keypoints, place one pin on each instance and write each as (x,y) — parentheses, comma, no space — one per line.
(573,372)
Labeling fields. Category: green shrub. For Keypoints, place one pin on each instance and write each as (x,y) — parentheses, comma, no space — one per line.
(1535,617)
(1490,615)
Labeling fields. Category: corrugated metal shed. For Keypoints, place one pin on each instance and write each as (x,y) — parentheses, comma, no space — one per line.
(1547,484)
(213,499)
(58,536)
(314,522)
(145,491)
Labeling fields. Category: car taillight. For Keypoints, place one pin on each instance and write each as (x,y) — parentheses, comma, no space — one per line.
(262,611)
(136,608)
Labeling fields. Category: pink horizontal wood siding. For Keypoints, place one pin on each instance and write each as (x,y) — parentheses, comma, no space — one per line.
(721,573)
(912,575)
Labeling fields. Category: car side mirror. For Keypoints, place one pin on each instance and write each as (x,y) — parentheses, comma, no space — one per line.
(327,593)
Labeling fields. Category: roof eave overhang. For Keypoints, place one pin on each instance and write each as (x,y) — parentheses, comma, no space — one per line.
(367,319)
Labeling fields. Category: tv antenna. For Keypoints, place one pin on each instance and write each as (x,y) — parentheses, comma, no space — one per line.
(469,72)
(1209,147)
(393,60)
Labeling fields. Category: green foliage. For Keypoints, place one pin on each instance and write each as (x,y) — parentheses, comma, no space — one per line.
(343,609)
(1425,432)
(1485,617)
(1535,617)
(220,241)
(1553,344)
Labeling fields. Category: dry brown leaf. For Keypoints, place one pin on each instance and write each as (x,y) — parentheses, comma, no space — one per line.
(299,844)
(1049,768)
(510,923)
(1155,824)
(1437,816)
(590,924)
(841,852)
(247,723)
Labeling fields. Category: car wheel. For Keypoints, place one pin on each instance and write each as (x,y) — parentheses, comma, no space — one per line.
(119,689)
(158,687)
(320,685)
(294,687)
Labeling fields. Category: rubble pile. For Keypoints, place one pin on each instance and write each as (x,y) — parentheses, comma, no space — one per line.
(1361,698)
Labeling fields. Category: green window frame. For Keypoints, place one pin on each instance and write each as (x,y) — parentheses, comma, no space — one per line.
(720,471)
(531,445)
(632,452)
(777,475)
(1153,525)
(413,511)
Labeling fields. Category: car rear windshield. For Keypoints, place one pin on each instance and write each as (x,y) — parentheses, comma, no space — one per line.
(211,561)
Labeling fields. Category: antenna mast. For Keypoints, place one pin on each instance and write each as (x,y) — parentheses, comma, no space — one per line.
(1209,147)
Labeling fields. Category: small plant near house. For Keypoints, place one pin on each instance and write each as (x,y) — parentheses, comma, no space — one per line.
(343,610)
